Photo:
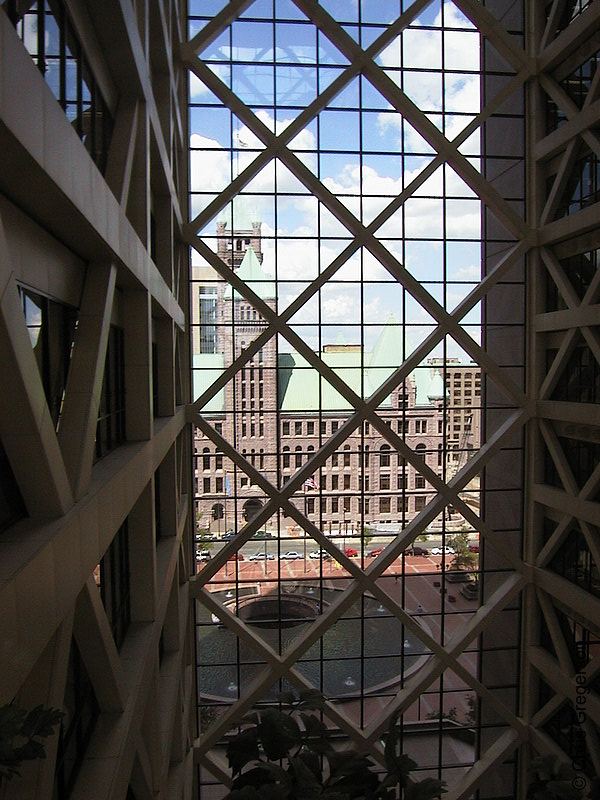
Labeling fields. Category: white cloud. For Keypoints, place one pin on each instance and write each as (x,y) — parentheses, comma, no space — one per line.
(298,260)
(342,308)
(198,88)
(472,272)
(209,170)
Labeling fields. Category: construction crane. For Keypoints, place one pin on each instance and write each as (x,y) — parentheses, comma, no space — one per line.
(470,494)
(463,452)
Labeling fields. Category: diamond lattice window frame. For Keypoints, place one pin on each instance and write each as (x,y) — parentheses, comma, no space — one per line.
(509,239)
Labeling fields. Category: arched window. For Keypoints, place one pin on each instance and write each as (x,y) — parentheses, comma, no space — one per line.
(206,458)
(420,450)
(286,458)
(346,455)
(251,509)
(384,455)
(298,456)
(218,512)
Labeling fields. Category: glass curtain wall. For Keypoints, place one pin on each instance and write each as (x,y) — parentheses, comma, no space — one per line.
(342,178)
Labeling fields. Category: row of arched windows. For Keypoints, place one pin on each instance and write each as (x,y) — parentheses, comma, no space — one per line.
(384,456)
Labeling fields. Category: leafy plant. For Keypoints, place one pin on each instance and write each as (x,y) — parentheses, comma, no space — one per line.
(463,557)
(553,779)
(288,755)
(367,535)
(451,714)
(21,733)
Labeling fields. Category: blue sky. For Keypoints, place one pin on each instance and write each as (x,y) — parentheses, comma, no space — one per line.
(364,186)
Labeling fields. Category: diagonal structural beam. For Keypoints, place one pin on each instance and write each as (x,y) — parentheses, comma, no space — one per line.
(26,427)
(77,432)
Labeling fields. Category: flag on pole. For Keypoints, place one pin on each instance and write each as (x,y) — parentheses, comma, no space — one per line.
(227,485)
(310,483)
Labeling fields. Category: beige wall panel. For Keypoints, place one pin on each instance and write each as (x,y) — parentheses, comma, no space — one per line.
(142,553)
(39,260)
(12,671)
(26,427)
(13,112)
(32,560)
(45,685)
(77,205)
(84,386)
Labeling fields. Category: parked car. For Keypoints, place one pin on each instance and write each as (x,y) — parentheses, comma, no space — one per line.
(236,557)
(319,554)
(417,551)
(203,555)
(351,551)
(474,547)
(261,556)
(441,551)
(228,535)
(292,555)
(262,535)
(375,552)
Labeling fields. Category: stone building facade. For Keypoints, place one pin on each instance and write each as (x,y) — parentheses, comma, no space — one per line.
(277,413)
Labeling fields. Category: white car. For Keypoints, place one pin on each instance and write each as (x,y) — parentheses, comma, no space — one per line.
(261,556)
(319,554)
(441,551)
(291,554)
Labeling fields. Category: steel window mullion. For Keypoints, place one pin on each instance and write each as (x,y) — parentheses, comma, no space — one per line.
(368,240)
(310,112)
(383,83)
(447,325)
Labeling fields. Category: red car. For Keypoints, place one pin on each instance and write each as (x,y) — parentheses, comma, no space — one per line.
(236,557)
(375,552)
(474,547)
(351,551)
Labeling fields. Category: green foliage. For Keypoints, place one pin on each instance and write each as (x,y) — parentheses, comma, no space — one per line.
(367,535)
(288,755)
(21,733)
(469,719)
(471,716)
(203,534)
(451,714)
(553,779)
(463,557)
(208,714)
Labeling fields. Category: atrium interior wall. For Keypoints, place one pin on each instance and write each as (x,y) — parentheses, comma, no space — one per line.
(96,538)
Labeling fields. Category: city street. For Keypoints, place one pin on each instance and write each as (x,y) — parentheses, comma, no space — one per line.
(298,544)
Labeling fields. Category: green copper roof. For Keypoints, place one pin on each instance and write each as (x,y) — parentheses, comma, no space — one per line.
(388,347)
(437,390)
(207,367)
(252,273)
(300,387)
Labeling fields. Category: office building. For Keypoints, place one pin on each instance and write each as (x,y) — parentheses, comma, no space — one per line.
(359,485)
